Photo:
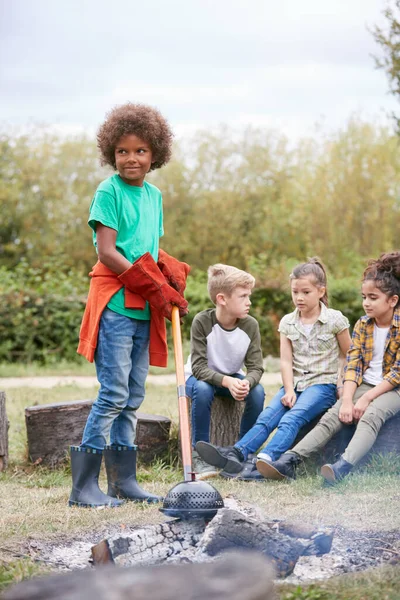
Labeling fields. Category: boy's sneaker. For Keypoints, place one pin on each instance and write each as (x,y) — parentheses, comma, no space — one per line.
(230,459)
(202,469)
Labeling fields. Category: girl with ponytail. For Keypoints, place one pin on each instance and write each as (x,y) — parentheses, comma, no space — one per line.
(312,339)
(371,391)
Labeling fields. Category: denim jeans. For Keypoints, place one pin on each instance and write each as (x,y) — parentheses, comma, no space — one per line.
(122,363)
(202,395)
(310,403)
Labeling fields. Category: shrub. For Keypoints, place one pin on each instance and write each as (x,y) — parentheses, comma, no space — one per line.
(41,310)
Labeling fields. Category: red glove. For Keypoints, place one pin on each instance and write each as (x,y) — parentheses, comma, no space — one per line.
(174,271)
(145,278)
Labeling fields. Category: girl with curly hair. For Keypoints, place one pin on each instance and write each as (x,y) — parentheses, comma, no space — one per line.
(133,287)
(371,389)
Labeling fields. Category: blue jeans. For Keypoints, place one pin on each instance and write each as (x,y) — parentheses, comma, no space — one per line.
(202,395)
(310,403)
(122,363)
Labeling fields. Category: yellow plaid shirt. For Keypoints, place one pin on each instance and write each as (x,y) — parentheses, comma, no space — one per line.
(360,353)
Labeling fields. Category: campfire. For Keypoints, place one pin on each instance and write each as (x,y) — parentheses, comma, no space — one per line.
(299,552)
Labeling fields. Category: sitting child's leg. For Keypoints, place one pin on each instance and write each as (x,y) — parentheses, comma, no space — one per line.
(202,396)
(231,460)
(315,400)
(254,406)
(378,412)
(285,466)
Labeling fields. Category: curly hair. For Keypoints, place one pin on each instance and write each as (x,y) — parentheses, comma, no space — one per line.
(141,120)
(385,272)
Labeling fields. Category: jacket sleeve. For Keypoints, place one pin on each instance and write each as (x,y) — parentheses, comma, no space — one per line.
(393,375)
(354,360)
(199,359)
(254,360)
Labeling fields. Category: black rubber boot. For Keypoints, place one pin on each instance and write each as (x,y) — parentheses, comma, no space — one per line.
(230,459)
(85,467)
(336,472)
(283,468)
(121,474)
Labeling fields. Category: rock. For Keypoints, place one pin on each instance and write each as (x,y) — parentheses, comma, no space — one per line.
(235,576)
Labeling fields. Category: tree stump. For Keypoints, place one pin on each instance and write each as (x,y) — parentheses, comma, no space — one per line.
(226,414)
(52,428)
(4,424)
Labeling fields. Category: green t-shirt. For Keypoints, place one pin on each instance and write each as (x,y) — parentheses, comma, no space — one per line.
(136,214)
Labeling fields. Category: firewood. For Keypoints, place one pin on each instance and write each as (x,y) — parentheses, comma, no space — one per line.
(52,428)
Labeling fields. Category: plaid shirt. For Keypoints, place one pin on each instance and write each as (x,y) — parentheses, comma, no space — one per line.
(360,353)
(316,355)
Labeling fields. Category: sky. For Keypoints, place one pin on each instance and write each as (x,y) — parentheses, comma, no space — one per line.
(281,64)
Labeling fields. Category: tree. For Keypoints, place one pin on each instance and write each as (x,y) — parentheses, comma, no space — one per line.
(390,43)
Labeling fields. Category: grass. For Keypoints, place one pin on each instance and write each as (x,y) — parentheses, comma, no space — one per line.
(80,367)
(376,584)
(33,501)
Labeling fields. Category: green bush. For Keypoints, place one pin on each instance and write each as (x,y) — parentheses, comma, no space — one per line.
(41,311)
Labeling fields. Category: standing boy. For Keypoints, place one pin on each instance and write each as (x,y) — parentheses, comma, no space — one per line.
(223,340)
(133,288)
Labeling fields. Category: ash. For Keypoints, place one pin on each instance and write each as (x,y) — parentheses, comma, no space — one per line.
(351,551)
(180,541)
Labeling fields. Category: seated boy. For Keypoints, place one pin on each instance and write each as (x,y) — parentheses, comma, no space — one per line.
(223,340)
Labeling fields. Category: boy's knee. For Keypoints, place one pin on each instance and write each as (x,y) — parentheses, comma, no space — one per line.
(257,394)
(202,390)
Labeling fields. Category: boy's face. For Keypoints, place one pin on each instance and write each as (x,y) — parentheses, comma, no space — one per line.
(133,157)
(376,303)
(237,305)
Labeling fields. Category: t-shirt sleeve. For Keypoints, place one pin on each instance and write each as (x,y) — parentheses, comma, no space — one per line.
(103,210)
(283,326)
(341,323)
(161,228)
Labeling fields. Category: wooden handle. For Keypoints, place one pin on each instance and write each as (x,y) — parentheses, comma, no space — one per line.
(184,428)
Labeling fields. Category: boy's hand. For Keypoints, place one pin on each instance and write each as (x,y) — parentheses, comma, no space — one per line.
(239,388)
(346,412)
(289,399)
(361,406)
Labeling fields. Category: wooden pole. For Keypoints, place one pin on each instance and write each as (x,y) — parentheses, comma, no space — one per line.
(3,433)
(182,399)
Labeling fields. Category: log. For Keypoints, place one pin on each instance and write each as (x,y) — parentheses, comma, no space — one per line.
(236,576)
(230,529)
(226,414)
(195,541)
(4,425)
(52,428)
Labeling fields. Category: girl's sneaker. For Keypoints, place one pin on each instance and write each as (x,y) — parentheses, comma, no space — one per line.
(264,457)
(202,469)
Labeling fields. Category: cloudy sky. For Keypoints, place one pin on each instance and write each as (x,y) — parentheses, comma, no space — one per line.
(285,64)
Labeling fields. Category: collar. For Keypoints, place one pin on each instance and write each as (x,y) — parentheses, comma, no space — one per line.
(323,316)
(395,320)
